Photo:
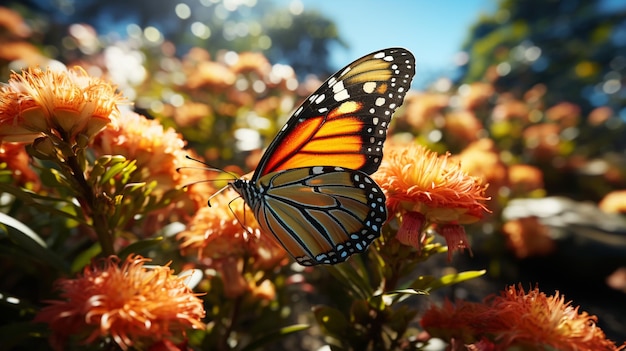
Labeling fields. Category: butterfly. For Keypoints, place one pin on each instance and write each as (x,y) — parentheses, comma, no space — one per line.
(311,189)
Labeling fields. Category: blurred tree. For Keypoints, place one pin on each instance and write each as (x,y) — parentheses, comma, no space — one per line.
(294,36)
(577,48)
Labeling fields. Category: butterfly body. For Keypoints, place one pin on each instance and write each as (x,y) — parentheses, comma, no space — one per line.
(312,189)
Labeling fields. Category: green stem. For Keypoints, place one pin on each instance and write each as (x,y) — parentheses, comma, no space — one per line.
(90,200)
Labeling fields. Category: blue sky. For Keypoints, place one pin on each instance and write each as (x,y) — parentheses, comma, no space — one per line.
(433,30)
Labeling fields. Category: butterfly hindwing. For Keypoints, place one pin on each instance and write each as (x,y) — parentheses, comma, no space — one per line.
(344,123)
(321,214)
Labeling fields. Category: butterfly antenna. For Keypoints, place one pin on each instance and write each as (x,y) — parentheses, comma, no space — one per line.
(241,222)
(217,193)
(207,167)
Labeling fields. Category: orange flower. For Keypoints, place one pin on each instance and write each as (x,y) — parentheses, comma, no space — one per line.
(543,141)
(566,114)
(63,104)
(528,237)
(22,51)
(418,180)
(159,152)
(14,158)
(535,95)
(13,23)
(525,179)
(463,127)
(614,202)
(517,320)
(461,320)
(251,62)
(538,320)
(133,304)
(213,75)
(421,109)
(508,109)
(482,159)
(599,115)
(475,95)
(191,113)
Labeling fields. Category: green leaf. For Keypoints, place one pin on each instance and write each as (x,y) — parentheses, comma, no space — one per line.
(28,240)
(28,198)
(332,321)
(15,334)
(122,168)
(85,257)
(348,276)
(140,246)
(399,295)
(428,283)
(274,336)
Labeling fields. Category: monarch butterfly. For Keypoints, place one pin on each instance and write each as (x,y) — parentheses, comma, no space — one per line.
(312,188)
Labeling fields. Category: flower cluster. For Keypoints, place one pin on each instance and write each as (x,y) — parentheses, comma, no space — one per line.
(517,319)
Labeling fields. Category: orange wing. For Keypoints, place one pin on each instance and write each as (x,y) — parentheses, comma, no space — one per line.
(344,123)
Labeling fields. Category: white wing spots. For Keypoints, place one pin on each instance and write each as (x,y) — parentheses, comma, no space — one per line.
(298,111)
(372,110)
(332,82)
(392,106)
(380,101)
(320,99)
(342,95)
(372,140)
(317,170)
(369,87)
(345,71)
(340,169)
(323,110)
(379,55)
(388,58)
(375,121)
(338,87)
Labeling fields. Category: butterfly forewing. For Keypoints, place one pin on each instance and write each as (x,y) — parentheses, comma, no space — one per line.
(320,214)
(344,123)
